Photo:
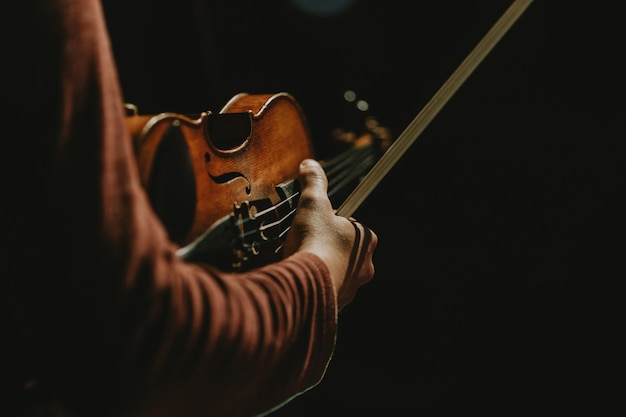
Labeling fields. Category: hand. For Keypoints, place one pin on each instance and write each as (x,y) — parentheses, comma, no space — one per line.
(345,245)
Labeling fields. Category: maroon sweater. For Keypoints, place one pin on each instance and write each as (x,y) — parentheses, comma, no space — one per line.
(97,306)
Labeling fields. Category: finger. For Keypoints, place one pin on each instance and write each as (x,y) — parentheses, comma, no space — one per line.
(312,176)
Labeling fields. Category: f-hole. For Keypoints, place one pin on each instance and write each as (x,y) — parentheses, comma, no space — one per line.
(228,130)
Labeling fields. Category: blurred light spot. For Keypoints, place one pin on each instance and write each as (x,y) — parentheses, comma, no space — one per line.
(362,105)
(349,95)
(322,7)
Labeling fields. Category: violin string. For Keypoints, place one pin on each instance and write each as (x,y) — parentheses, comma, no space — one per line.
(268,226)
(357,167)
(341,183)
(269,209)
(338,162)
(277,222)
(345,159)
(281,221)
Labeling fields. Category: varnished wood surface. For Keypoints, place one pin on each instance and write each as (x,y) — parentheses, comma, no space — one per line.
(279,140)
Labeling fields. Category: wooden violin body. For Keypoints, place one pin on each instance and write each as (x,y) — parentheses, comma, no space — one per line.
(196,170)
(224,184)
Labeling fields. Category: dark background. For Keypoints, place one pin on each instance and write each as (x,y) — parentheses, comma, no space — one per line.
(501,229)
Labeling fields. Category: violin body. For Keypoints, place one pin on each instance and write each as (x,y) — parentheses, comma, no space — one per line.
(225,184)
(199,170)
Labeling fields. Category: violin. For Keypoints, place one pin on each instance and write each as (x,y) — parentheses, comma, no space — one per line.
(223,184)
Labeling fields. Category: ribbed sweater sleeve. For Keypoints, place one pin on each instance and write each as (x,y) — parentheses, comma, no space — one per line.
(117,324)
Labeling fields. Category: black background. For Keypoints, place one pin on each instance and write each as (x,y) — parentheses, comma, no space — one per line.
(501,229)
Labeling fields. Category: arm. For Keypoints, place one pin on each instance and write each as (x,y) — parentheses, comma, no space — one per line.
(124,324)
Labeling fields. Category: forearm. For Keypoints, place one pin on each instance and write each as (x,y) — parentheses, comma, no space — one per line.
(119,322)
(231,344)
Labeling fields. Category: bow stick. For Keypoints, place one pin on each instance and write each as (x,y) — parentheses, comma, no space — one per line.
(430,110)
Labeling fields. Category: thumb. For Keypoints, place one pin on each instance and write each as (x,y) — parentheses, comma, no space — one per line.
(312,177)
